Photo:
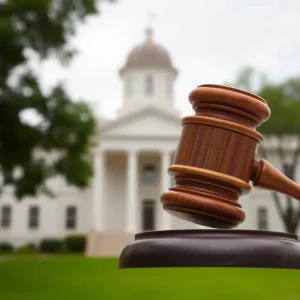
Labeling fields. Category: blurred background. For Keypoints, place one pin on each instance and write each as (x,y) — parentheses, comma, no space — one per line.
(91,99)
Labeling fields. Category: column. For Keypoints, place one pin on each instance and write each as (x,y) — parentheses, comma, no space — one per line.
(165,185)
(245,201)
(132,192)
(98,191)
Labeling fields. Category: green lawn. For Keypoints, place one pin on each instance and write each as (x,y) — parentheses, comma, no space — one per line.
(83,278)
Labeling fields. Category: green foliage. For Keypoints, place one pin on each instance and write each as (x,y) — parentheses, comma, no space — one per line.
(75,243)
(244,78)
(6,248)
(42,26)
(26,249)
(41,29)
(284,102)
(283,99)
(51,246)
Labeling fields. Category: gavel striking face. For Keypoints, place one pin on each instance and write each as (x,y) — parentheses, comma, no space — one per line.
(215,158)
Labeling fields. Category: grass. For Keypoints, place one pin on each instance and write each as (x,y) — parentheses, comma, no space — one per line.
(82,278)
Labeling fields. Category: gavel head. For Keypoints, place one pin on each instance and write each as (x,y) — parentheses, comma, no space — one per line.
(215,157)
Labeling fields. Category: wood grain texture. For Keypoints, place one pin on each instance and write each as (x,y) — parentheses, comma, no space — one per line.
(240,105)
(266,176)
(218,149)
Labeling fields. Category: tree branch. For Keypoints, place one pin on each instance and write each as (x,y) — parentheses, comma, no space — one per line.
(289,208)
(281,151)
(275,195)
(297,152)
(278,205)
(298,213)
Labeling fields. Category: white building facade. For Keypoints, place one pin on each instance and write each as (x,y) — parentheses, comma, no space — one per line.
(131,162)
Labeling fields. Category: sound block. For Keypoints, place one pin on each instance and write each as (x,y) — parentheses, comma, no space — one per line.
(212,248)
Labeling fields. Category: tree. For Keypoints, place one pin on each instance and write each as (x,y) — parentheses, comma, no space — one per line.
(284,101)
(62,127)
(244,78)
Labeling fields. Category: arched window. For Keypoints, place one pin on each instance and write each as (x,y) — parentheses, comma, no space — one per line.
(149,85)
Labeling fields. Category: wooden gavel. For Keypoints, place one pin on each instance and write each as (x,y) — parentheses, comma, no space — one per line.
(215,158)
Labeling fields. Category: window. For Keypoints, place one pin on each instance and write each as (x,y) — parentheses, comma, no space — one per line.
(71,216)
(262,217)
(148,174)
(33,217)
(289,171)
(149,89)
(129,87)
(5,216)
(148,215)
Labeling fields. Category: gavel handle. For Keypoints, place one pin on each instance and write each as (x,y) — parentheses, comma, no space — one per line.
(266,176)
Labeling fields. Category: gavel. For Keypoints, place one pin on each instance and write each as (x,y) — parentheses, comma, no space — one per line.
(212,168)
(216,158)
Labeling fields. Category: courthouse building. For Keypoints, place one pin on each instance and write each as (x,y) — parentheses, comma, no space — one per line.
(135,150)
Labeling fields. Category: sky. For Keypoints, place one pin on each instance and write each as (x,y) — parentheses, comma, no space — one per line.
(208,41)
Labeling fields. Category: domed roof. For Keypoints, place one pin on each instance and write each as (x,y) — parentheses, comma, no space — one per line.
(148,53)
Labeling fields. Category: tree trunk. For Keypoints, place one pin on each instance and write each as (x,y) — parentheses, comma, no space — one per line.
(290,220)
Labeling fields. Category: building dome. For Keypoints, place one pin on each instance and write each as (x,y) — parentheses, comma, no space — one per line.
(148,53)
